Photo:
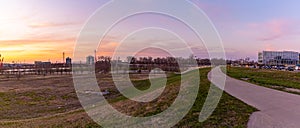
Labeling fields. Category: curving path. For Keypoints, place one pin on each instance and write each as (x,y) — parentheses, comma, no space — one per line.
(277,109)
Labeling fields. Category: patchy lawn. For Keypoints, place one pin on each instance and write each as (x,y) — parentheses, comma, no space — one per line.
(53,103)
(280,80)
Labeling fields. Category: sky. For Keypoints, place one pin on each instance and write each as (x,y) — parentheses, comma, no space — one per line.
(43,29)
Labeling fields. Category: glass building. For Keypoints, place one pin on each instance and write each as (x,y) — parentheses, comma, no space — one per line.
(278,58)
(90,60)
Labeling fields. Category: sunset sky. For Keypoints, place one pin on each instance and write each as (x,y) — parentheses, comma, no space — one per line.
(43,29)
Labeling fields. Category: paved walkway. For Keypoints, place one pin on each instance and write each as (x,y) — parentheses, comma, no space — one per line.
(277,109)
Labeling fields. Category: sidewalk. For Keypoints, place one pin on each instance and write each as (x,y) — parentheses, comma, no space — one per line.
(277,109)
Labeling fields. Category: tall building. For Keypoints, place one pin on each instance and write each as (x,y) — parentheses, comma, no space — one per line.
(278,58)
(68,61)
(90,60)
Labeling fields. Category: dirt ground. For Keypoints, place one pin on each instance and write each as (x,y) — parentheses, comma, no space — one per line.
(39,96)
(32,97)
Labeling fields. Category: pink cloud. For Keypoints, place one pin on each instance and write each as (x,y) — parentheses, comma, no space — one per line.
(271,30)
(267,31)
(269,47)
(35,41)
(50,24)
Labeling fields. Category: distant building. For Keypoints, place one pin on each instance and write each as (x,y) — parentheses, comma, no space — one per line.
(260,58)
(68,61)
(40,64)
(278,58)
(37,62)
(90,60)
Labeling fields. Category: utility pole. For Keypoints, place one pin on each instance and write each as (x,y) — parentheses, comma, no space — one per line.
(95,56)
(1,62)
(64,57)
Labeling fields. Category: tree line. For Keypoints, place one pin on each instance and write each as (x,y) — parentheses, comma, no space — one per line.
(139,64)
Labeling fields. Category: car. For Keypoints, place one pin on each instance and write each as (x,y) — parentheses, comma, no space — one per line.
(280,67)
(290,69)
(267,67)
(297,67)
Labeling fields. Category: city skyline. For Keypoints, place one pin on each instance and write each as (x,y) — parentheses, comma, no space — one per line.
(43,30)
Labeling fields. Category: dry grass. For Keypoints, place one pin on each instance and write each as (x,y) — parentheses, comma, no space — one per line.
(52,102)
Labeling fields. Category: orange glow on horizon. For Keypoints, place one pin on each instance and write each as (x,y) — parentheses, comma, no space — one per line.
(36,50)
(10,57)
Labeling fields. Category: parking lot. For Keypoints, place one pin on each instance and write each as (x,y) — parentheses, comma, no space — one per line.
(282,68)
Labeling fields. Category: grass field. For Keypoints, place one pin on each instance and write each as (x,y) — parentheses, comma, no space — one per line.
(280,80)
(52,103)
